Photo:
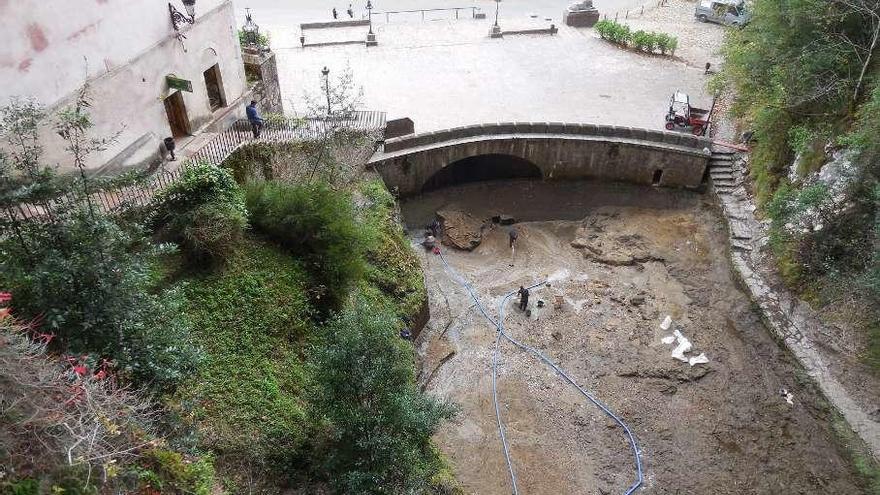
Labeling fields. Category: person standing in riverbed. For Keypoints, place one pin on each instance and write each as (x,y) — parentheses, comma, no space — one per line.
(523,298)
(350,11)
(335,15)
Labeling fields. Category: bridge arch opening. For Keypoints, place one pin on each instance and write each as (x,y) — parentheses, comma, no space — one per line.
(482,168)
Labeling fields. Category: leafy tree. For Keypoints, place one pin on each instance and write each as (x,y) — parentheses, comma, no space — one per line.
(74,270)
(378,425)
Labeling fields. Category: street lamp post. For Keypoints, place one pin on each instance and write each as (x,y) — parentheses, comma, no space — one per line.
(371,37)
(326,73)
(496,30)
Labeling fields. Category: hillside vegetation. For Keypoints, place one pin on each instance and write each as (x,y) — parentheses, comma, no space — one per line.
(806,80)
(234,336)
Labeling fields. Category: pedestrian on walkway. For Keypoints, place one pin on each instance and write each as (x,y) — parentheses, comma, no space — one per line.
(335,15)
(523,298)
(350,11)
(254,118)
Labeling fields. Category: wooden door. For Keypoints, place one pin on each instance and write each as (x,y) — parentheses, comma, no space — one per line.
(177,119)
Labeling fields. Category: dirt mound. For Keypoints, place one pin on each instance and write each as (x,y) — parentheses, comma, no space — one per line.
(609,246)
(461,230)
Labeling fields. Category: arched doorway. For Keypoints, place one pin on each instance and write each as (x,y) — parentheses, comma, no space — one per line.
(482,168)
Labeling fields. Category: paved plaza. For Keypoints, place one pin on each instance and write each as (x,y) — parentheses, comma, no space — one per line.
(446,72)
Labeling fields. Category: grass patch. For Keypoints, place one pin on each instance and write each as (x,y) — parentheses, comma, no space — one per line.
(393,278)
(252,319)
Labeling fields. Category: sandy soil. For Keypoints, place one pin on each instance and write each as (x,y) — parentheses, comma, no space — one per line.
(719,428)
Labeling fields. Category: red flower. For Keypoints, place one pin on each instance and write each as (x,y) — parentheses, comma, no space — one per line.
(80,369)
(5,296)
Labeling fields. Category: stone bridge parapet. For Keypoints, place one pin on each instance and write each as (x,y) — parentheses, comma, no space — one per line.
(562,151)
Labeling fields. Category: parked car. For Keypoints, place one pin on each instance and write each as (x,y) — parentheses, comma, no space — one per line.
(727,12)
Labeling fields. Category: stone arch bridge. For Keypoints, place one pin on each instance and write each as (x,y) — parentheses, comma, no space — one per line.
(416,163)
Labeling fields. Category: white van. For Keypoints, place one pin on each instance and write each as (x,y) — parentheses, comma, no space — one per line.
(727,12)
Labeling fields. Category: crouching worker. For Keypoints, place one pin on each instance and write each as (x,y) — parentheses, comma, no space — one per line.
(430,242)
(523,298)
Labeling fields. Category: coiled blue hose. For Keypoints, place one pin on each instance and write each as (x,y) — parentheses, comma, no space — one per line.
(499,325)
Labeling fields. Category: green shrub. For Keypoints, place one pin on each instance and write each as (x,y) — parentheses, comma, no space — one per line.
(646,41)
(203,211)
(378,424)
(603,27)
(642,41)
(666,43)
(89,282)
(26,486)
(170,472)
(318,225)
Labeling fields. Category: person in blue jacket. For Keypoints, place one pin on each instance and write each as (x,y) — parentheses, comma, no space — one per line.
(254,118)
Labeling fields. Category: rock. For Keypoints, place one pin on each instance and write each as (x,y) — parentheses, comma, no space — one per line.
(461,230)
(637,300)
(681,375)
(580,243)
(506,220)
(557,335)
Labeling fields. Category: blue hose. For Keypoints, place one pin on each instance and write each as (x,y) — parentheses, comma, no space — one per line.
(501,333)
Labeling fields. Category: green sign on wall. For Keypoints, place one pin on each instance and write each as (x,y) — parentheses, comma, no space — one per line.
(181,84)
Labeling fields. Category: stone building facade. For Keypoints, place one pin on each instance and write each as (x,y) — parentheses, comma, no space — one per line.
(147,80)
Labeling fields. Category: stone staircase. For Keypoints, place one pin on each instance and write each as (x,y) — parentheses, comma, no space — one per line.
(791,320)
(727,182)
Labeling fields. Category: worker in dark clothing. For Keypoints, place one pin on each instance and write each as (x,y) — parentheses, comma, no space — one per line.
(523,298)
(434,227)
(335,15)
(254,118)
(350,11)
(513,234)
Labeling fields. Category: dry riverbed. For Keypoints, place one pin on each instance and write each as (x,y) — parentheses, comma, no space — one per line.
(621,258)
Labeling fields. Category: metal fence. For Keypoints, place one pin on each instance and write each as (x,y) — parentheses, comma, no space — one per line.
(214,151)
(635,12)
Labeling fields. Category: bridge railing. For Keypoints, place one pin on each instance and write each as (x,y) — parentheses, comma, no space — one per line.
(508,128)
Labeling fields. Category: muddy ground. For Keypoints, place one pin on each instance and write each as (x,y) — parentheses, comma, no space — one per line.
(643,253)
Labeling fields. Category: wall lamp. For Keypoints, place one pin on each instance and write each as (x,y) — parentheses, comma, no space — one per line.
(178,18)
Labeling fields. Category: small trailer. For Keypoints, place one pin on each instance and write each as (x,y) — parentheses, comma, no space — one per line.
(682,115)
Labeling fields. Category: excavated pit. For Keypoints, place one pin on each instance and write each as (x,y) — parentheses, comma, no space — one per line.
(620,259)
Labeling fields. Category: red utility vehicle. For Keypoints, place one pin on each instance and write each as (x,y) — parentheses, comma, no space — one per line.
(682,115)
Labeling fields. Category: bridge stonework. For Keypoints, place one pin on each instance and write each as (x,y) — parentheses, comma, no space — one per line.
(561,151)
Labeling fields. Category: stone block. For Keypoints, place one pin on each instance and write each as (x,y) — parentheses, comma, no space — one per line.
(506,128)
(654,136)
(540,128)
(399,127)
(580,18)
(589,129)
(522,127)
(556,127)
